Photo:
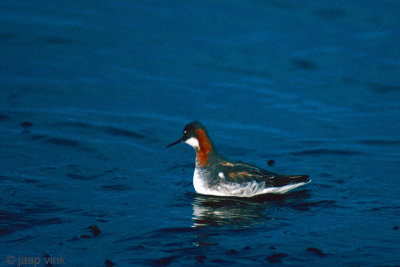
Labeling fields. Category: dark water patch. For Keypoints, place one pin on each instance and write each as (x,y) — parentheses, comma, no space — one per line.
(380,142)
(9,216)
(384,209)
(339,181)
(12,221)
(21,239)
(177,230)
(381,88)
(316,251)
(234,70)
(330,13)
(176,247)
(327,152)
(136,247)
(231,252)
(304,64)
(395,227)
(182,166)
(131,238)
(96,215)
(271,162)
(43,208)
(78,176)
(5,230)
(112,130)
(276,258)
(30,40)
(116,187)
(200,258)
(63,142)
(349,80)
(78,238)
(326,174)
(324,186)
(2,117)
(112,170)
(184,184)
(26,124)
(95,229)
(309,205)
(313,143)
(283,5)
(5,36)
(50,221)
(5,178)
(77,124)
(163,261)
(30,181)
(55,40)
(37,137)
(123,133)
(72,211)
(109,263)
(48,168)
(282,198)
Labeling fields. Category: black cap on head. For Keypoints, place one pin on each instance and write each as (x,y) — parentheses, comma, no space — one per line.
(188,132)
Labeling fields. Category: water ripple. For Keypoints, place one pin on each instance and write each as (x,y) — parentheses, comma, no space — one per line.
(335,152)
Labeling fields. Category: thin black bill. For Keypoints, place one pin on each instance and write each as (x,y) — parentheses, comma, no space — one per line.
(175,143)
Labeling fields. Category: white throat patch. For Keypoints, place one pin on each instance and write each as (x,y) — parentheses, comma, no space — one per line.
(192,141)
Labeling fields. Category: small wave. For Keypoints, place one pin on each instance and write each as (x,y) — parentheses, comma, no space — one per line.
(62,141)
(335,152)
(77,176)
(304,64)
(173,230)
(381,88)
(380,142)
(116,187)
(308,205)
(15,221)
(330,13)
(123,132)
(112,130)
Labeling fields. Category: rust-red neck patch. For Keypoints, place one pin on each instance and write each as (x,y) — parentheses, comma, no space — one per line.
(205,147)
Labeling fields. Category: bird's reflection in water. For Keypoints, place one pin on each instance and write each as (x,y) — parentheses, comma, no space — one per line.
(239,212)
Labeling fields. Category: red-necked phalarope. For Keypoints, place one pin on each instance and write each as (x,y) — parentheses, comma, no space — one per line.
(217,176)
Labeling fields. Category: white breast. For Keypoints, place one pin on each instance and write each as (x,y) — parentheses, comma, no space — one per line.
(198,183)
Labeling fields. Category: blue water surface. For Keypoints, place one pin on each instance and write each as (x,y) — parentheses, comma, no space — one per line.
(91,92)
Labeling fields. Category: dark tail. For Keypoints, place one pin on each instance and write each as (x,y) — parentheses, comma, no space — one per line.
(282,180)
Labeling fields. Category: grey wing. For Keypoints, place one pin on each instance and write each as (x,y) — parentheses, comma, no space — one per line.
(242,172)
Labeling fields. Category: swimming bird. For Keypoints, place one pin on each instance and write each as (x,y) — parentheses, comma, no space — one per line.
(215,175)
